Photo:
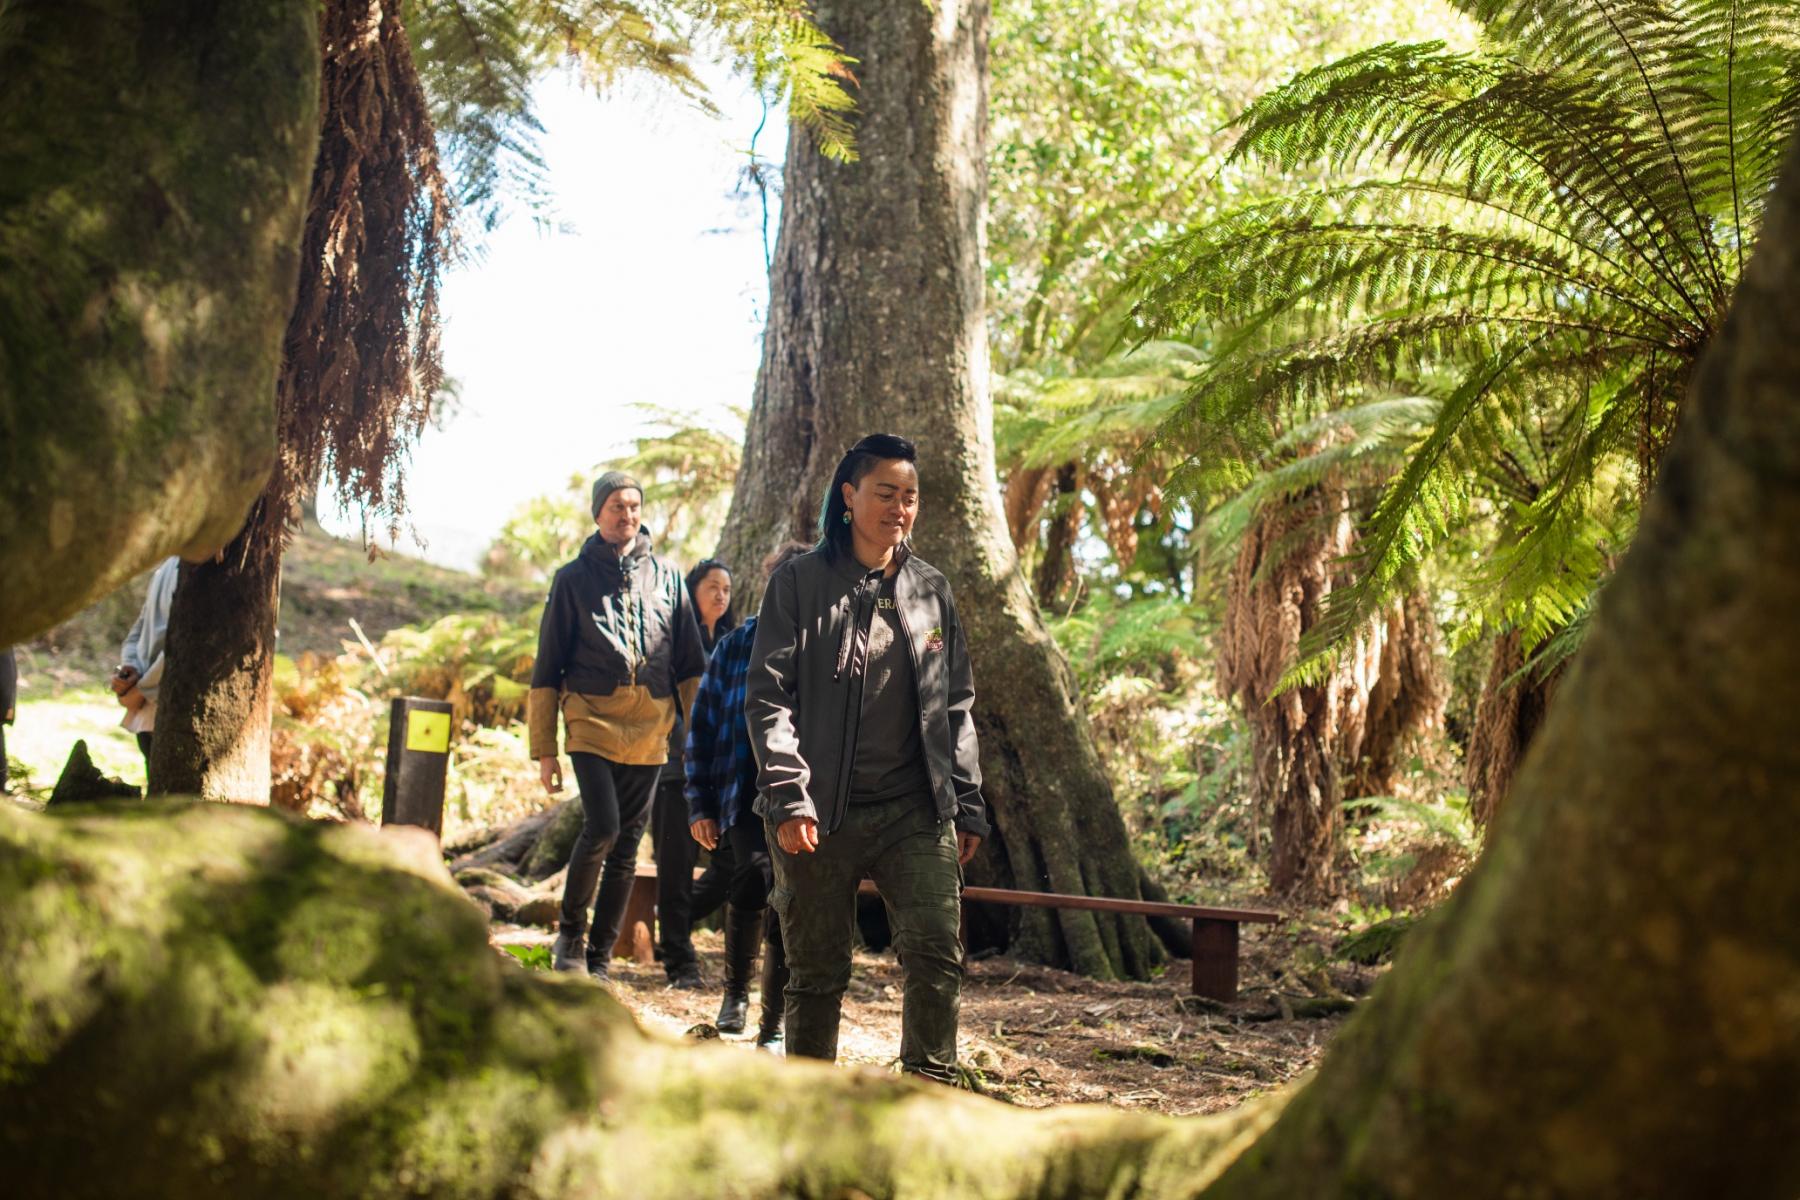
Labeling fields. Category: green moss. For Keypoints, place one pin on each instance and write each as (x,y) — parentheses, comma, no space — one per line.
(153,178)
(217,1000)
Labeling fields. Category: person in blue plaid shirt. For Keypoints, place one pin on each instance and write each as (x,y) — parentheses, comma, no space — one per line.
(721,786)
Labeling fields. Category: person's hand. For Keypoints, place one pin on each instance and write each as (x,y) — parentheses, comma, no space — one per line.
(706,832)
(966,846)
(133,700)
(798,836)
(550,772)
(123,680)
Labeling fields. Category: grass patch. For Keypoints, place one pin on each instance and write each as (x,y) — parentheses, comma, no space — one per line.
(50,725)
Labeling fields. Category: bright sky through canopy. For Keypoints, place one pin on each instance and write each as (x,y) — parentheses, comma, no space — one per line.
(653,293)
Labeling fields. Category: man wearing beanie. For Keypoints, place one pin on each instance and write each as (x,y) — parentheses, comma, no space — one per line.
(618,649)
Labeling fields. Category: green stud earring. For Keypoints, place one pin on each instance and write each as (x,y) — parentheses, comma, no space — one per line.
(846,516)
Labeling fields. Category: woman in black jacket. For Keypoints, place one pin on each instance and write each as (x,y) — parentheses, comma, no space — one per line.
(680,900)
(618,650)
(858,703)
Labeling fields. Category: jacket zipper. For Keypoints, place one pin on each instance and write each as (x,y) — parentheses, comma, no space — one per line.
(853,723)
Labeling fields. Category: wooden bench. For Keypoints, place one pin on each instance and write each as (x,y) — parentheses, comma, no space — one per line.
(1215,946)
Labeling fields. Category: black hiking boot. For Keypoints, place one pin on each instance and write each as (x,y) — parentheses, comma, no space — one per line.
(743,936)
(570,953)
(687,977)
(774,991)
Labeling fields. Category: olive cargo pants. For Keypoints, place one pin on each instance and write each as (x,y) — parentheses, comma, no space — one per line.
(911,856)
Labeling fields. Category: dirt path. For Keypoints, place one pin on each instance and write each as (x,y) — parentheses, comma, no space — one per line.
(1037,1037)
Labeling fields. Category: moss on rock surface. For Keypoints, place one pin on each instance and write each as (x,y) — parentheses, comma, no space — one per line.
(153,169)
(206,1000)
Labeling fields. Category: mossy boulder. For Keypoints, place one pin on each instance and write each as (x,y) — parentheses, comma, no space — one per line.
(205,1000)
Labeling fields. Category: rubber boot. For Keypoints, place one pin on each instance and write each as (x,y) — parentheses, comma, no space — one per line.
(570,953)
(743,936)
(774,989)
(609,913)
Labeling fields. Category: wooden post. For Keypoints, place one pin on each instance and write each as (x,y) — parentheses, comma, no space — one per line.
(636,931)
(1215,959)
(418,760)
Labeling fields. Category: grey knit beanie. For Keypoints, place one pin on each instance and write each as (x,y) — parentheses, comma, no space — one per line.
(609,483)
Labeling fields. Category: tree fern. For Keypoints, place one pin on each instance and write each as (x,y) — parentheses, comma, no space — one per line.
(480,58)
(1557,225)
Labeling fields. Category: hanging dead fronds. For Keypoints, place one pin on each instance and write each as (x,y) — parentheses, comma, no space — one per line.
(1286,565)
(363,360)
(1406,693)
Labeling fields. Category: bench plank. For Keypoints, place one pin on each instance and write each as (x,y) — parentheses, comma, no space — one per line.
(1214,952)
(1150,908)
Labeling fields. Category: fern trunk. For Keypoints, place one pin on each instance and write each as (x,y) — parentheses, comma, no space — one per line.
(1277,590)
(359,350)
(1318,744)
(1056,568)
(1508,715)
(1403,671)
(876,324)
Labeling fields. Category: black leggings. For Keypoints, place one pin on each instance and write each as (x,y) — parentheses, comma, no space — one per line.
(615,806)
(681,900)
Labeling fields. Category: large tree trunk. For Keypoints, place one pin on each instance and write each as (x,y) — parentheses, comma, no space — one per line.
(213,713)
(1511,709)
(147,262)
(360,361)
(876,324)
(1604,1009)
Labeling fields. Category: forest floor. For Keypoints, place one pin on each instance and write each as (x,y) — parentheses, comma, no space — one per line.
(1036,1037)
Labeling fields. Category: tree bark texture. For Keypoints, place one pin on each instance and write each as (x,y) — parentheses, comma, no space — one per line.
(876,325)
(1508,715)
(153,166)
(1316,745)
(1607,1006)
(213,714)
(1056,568)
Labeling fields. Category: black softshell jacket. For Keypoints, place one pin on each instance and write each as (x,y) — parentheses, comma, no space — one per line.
(803,699)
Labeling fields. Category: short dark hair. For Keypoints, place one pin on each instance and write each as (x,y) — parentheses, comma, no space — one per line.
(701,570)
(858,461)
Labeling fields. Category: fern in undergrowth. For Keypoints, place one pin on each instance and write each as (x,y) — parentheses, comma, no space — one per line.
(1558,226)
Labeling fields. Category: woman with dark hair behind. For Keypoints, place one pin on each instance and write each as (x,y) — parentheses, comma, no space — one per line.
(680,901)
(721,784)
(858,703)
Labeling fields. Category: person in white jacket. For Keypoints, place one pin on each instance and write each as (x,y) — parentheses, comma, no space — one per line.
(139,674)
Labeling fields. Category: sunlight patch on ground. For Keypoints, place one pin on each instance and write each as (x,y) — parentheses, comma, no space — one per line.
(49,726)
